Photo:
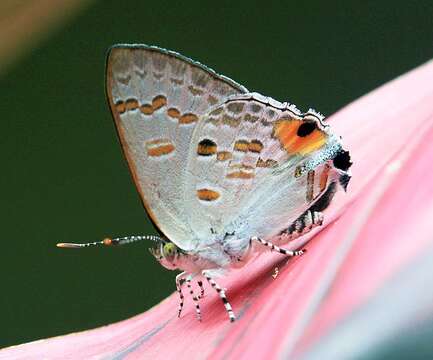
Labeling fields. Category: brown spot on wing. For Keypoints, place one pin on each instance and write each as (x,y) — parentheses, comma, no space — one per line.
(240,175)
(255,146)
(224,155)
(158,102)
(120,107)
(159,147)
(173,112)
(188,118)
(131,104)
(207,194)
(146,109)
(206,147)
(241,145)
(268,163)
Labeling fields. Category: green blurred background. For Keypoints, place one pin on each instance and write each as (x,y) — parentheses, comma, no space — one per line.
(63,174)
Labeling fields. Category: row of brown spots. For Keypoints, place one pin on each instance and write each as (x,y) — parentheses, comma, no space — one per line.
(206,147)
(268,163)
(207,194)
(310,185)
(187,118)
(224,155)
(147,109)
(255,146)
(159,147)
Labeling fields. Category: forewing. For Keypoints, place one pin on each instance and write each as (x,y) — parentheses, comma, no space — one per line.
(157,97)
(255,166)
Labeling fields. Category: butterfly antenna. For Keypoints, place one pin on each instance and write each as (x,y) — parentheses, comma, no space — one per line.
(111,242)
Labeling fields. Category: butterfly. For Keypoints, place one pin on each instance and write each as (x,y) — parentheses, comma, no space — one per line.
(222,172)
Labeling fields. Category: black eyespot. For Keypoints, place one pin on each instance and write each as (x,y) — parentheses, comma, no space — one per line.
(342,160)
(306,128)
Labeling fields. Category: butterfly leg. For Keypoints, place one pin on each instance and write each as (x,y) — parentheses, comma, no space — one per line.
(200,284)
(276,248)
(195,298)
(221,293)
(180,278)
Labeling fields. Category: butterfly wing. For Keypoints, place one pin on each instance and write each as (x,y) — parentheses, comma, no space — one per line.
(157,97)
(256,165)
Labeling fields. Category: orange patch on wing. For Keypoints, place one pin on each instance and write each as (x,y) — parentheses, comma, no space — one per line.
(285,130)
(207,194)
(159,147)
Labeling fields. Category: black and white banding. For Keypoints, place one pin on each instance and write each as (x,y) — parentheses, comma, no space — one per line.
(222,295)
(278,249)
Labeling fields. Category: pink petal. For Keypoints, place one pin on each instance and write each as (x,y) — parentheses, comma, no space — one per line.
(384,225)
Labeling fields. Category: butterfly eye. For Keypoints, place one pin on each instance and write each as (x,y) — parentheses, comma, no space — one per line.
(169,250)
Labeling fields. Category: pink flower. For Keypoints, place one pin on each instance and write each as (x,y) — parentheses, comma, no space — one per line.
(366,279)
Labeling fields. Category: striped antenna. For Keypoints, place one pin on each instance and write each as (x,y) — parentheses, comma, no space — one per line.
(111,242)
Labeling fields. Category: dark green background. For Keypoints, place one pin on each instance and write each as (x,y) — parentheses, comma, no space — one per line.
(63,174)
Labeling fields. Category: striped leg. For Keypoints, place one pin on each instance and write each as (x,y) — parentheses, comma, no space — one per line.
(200,284)
(180,278)
(195,298)
(276,248)
(221,293)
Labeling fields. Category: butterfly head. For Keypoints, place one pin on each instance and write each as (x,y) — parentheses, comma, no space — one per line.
(167,253)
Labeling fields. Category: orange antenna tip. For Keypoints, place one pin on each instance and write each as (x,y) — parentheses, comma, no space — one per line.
(68,245)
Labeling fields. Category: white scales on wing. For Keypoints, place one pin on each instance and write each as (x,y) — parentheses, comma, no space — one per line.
(157,98)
